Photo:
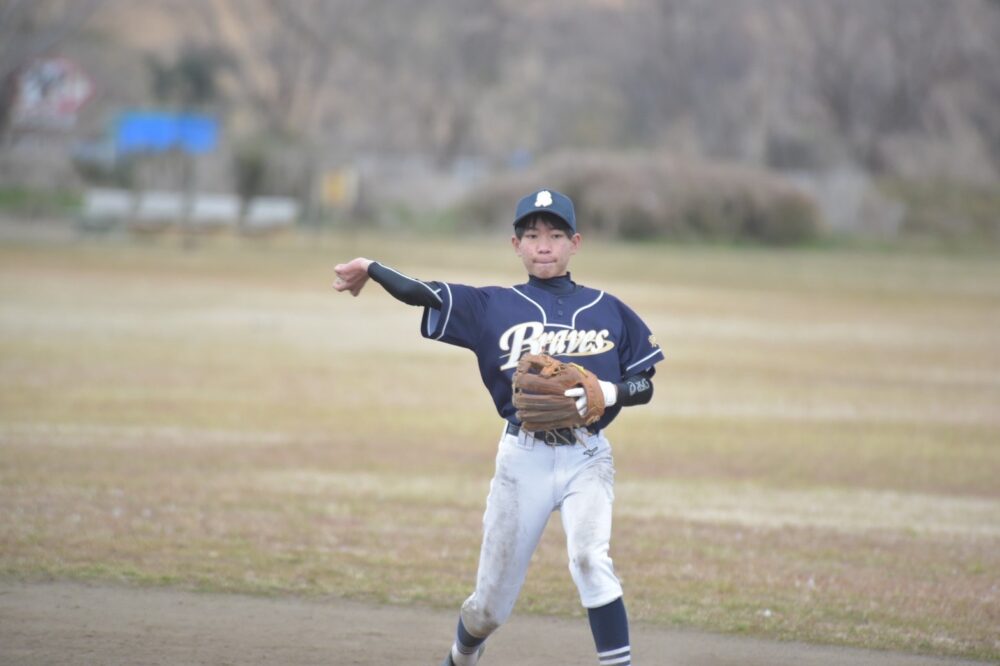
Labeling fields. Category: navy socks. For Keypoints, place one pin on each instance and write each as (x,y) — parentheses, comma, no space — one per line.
(467,643)
(609,624)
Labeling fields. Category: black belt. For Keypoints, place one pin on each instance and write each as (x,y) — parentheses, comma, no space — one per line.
(557,437)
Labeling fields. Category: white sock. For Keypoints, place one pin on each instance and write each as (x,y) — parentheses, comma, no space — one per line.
(619,657)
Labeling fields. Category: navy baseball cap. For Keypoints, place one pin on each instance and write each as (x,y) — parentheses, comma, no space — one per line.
(549,202)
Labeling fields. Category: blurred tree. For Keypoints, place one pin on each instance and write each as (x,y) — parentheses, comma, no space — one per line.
(444,69)
(281,54)
(191,79)
(876,66)
(790,83)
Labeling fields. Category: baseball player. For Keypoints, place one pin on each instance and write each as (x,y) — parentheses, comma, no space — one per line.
(537,472)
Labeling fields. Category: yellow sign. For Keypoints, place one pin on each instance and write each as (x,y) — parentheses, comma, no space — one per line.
(340,188)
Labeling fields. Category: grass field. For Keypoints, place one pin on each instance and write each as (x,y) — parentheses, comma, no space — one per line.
(821,460)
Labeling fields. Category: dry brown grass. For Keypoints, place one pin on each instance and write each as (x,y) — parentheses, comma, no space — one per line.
(819,461)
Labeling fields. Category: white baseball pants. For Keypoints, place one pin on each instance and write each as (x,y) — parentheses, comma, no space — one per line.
(532,480)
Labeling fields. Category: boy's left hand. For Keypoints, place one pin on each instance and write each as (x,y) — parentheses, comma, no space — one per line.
(609,390)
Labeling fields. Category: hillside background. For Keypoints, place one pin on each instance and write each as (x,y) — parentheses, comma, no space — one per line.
(794,117)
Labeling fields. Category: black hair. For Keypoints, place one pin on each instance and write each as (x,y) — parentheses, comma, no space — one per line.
(531,222)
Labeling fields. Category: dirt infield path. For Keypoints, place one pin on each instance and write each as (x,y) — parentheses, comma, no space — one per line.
(66,623)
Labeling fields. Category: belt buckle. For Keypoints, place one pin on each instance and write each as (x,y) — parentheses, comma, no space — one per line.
(558,437)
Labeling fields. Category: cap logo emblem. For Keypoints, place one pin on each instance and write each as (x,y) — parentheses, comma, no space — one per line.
(543,199)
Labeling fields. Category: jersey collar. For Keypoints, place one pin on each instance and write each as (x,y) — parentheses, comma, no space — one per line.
(560,286)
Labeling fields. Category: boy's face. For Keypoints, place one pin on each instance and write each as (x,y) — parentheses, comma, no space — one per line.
(545,249)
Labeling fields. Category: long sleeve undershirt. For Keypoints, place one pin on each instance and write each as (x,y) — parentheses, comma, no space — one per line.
(404,288)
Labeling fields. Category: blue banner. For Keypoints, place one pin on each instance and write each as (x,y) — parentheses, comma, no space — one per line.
(160,131)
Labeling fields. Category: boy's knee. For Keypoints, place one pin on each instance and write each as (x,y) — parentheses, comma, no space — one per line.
(594,575)
(481,619)
(587,564)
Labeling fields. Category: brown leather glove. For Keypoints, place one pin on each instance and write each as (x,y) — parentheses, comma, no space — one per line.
(540,385)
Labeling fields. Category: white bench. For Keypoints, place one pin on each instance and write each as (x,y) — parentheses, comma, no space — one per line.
(104,208)
(214,211)
(157,210)
(265,214)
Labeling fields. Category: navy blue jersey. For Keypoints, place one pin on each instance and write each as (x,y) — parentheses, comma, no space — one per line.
(498,324)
